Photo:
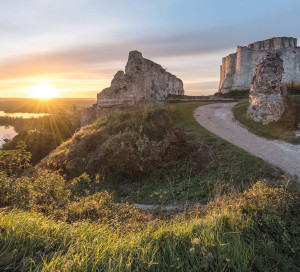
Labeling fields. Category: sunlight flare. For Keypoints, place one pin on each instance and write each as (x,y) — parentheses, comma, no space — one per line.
(43,91)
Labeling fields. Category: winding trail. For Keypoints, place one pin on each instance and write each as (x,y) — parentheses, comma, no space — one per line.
(218,118)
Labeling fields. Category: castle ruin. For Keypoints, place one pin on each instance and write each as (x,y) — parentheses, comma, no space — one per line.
(238,69)
(143,81)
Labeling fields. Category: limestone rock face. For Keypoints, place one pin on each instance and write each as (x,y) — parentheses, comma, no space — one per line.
(238,69)
(143,80)
(266,101)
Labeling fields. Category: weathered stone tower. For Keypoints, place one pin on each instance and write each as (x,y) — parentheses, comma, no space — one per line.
(238,69)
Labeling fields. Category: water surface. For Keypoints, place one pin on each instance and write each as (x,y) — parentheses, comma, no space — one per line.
(25,115)
(6,132)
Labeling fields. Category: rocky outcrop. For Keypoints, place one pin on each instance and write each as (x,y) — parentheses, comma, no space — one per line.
(238,69)
(266,100)
(143,81)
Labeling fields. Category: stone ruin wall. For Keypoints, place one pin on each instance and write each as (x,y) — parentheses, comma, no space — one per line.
(143,81)
(238,69)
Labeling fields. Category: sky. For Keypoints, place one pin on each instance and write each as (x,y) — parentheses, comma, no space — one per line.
(76,46)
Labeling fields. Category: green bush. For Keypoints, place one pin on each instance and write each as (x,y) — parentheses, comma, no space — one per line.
(14,191)
(101,207)
(127,145)
(48,193)
(84,185)
(38,143)
(13,162)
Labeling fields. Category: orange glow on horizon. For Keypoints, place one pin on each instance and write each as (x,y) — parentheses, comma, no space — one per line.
(43,91)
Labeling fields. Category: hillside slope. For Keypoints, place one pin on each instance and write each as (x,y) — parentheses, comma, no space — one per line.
(156,153)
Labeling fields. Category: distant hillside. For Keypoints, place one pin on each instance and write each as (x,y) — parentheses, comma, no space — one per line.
(34,105)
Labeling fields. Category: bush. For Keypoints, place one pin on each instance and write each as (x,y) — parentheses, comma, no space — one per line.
(100,207)
(13,162)
(84,185)
(14,191)
(127,145)
(48,193)
(39,144)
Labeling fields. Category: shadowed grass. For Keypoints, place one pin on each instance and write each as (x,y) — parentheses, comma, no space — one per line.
(280,130)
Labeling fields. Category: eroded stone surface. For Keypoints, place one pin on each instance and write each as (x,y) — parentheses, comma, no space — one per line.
(143,81)
(266,101)
(238,69)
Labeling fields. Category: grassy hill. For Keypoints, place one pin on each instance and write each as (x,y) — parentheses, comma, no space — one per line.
(67,215)
(156,154)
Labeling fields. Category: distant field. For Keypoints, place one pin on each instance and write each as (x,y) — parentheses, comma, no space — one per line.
(33,105)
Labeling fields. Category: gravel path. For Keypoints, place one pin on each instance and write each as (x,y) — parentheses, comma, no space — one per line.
(218,118)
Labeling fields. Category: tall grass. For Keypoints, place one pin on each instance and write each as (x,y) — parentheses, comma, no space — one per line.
(226,236)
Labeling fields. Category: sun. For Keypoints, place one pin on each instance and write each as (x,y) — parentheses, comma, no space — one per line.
(43,91)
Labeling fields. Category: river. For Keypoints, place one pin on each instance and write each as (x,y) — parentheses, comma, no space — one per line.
(8,132)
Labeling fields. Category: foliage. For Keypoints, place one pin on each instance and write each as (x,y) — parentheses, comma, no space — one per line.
(43,134)
(293,88)
(257,230)
(15,161)
(48,223)
(137,141)
(100,207)
(14,191)
(168,156)
(39,144)
(48,193)
(84,185)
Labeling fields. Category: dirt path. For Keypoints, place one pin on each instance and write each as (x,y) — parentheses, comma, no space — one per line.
(219,119)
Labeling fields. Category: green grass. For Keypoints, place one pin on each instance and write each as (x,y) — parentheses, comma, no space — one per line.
(230,166)
(280,130)
(241,232)
(245,226)
(209,162)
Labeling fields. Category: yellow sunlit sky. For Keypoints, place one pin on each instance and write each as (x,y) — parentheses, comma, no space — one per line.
(73,48)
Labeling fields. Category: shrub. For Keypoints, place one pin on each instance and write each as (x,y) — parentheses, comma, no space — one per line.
(48,193)
(14,191)
(100,207)
(127,145)
(13,162)
(84,185)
